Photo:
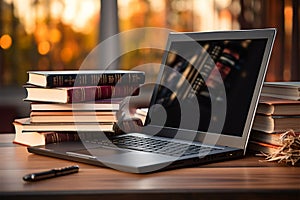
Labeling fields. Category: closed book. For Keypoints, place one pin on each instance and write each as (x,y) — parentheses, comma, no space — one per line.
(27,126)
(276,123)
(57,117)
(277,106)
(79,94)
(69,78)
(41,138)
(270,138)
(99,105)
(284,90)
(266,148)
(274,138)
(72,113)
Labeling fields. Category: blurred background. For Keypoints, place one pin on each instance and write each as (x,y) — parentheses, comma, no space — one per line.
(59,34)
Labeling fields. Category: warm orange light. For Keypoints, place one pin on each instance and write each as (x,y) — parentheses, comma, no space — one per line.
(225,19)
(41,32)
(288,18)
(66,54)
(44,47)
(69,12)
(55,36)
(5,41)
(288,11)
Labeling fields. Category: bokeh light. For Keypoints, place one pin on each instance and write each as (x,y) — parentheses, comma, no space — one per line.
(5,41)
(44,47)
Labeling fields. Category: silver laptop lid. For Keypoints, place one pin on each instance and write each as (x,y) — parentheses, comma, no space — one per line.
(209,85)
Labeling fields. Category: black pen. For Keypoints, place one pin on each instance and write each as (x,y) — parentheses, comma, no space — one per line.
(51,173)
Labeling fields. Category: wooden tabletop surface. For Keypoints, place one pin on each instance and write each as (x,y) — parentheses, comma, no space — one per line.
(241,178)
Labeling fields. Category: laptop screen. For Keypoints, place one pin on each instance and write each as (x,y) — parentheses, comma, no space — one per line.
(207,85)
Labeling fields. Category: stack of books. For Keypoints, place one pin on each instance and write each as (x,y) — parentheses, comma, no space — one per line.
(64,103)
(278,111)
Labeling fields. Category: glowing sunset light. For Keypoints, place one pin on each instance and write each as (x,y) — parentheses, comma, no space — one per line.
(76,13)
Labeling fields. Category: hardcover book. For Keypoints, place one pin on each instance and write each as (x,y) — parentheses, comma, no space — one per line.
(277,106)
(100,105)
(27,126)
(41,138)
(270,138)
(72,113)
(262,147)
(285,90)
(69,78)
(58,117)
(274,123)
(79,94)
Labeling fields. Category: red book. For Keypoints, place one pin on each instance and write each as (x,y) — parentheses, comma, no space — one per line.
(41,138)
(79,94)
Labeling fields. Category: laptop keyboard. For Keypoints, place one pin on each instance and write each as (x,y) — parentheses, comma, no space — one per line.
(153,145)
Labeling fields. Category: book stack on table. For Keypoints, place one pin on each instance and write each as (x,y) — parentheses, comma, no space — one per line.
(64,103)
(278,111)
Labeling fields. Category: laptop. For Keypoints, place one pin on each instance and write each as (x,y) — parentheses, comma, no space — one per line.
(201,111)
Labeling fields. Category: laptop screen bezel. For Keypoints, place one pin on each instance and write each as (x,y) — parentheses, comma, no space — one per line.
(213,138)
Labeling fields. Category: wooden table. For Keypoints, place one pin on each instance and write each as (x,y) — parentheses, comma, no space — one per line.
(245,178)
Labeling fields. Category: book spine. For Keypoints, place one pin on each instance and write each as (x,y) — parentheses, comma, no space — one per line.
(55,137)
(94,79)
(82,94)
